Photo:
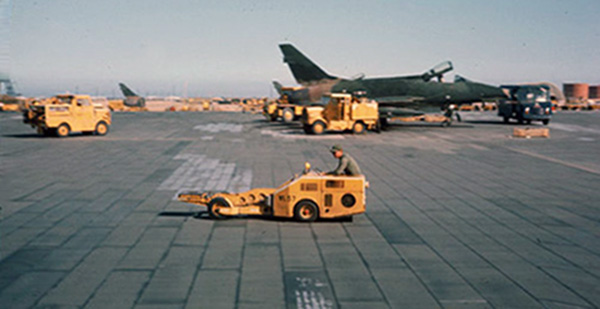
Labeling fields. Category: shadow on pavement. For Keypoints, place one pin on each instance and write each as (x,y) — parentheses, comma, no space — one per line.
(28,135)
(203,215)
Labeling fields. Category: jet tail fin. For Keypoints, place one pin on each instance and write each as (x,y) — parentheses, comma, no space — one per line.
(303,69)
(126,91)
(278,87)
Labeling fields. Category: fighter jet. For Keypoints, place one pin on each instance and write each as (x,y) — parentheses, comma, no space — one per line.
(404,95)
(131,98)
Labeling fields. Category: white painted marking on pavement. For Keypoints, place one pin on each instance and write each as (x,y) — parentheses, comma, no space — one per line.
(199,173)
(220,127)
(565,163)
(295,134)
(573,128)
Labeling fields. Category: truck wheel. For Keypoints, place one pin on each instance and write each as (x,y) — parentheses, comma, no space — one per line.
(545,121)
(528,121)
(306,211)
(101,128)
(214,205)
(287,115)
(506,119)
(358,128)
(318,127)
(63,130)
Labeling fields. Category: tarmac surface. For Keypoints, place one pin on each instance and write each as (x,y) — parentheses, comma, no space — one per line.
(458,217)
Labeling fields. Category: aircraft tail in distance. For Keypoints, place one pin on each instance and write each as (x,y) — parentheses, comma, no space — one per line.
(126,91)
(304,70)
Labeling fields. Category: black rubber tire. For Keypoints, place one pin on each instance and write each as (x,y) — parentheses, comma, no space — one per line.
(63,130)
(306,211)
(546,121)
(358,128)
(528,121)
(99,131)
(307,129)
(212,208)
(383,123)
(506,119)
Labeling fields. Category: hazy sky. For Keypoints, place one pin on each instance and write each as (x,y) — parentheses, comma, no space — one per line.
(229,48)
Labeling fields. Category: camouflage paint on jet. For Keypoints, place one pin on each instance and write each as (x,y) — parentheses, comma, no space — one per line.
(407,95)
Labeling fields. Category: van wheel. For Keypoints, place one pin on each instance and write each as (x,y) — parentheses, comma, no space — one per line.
(318,127)
(101,128)
(215,205)
(358,128)
(306,211)
(63,130)
(287,115)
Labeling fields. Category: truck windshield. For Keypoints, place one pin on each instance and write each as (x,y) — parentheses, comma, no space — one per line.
(64,100)
(533,95)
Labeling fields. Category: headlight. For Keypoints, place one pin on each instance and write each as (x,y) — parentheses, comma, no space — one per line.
(526,110)
(547,110)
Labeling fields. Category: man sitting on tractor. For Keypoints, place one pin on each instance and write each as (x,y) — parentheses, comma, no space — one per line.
(347,165)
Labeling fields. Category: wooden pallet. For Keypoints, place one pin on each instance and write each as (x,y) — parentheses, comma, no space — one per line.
(531,132)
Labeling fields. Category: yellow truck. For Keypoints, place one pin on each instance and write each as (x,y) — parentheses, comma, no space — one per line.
(342,112)
(306,198)
(289,106)
(287,112)
(63,114)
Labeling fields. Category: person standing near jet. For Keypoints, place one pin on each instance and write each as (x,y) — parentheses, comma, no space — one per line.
(347,165)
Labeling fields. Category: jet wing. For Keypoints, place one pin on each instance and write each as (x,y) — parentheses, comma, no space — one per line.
(389,112)
(398,100)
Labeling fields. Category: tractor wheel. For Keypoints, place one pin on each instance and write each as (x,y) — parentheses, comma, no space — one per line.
(358,128)
(318,127)
(101,128)
(63,130)
(306,211)
(287,115)
(214,205)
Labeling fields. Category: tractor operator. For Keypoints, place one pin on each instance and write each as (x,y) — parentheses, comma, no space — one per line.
(347,165)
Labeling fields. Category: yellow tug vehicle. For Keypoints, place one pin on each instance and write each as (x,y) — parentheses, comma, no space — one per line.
(307,197)
(66,113)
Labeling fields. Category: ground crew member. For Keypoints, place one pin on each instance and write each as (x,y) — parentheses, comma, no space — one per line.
(347,166)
